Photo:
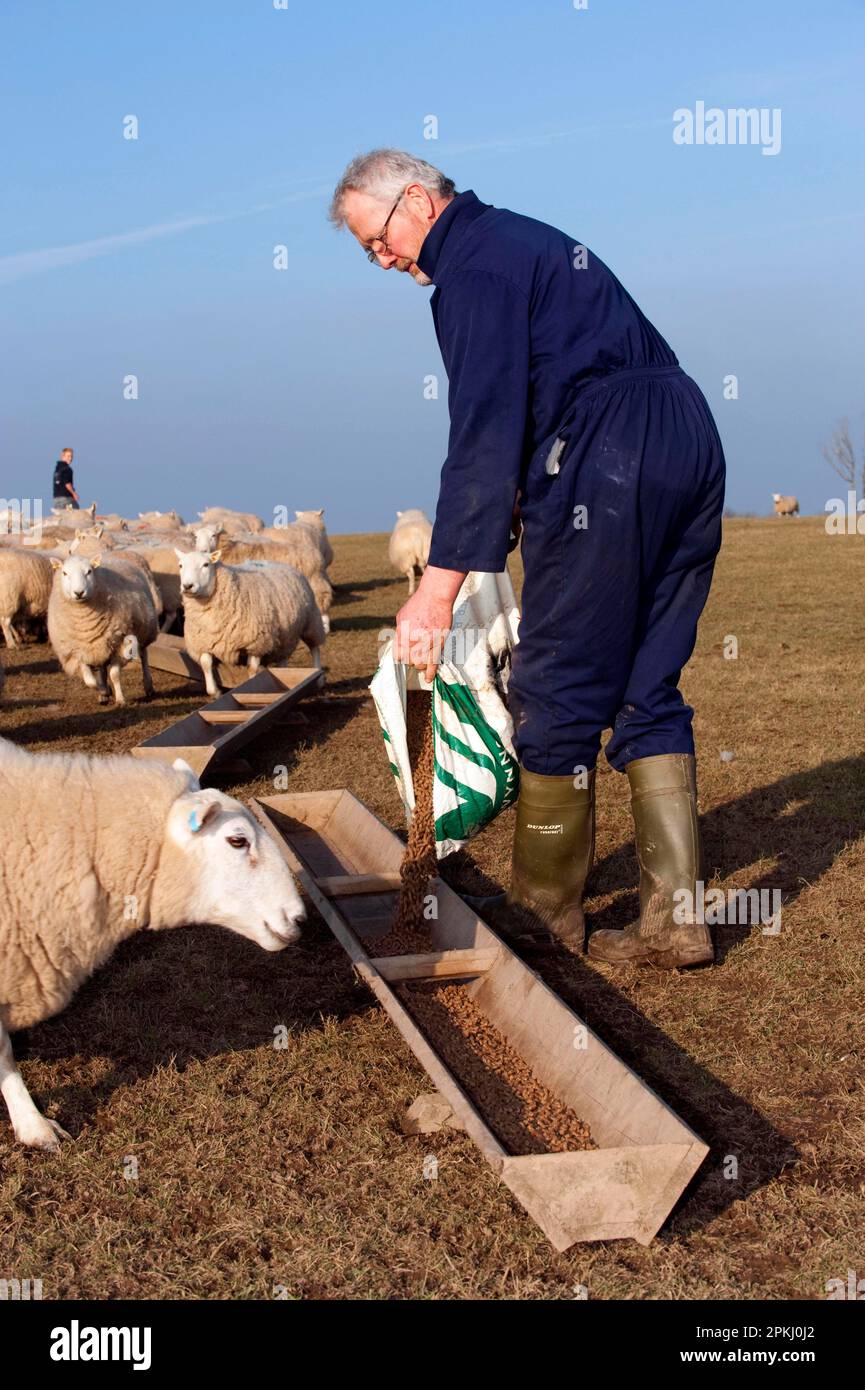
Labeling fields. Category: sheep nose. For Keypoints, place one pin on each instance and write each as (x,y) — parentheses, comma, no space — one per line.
(187,588)
(78,593)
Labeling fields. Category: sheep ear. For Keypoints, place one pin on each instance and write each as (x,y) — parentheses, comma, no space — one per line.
(180,553)
(399,513)
(79,534)
(55,563)
(191,812)
(215,557)
(97,531)
(96,560)
(181,765)
(297,514)
(320,511)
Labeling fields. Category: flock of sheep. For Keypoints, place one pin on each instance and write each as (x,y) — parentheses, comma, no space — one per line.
(248,592)
(74,882)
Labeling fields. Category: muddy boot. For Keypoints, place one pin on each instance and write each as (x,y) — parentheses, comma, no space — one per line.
(554,843)
(667,832)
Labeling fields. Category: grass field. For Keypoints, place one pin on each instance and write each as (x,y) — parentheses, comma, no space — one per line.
(263,1171)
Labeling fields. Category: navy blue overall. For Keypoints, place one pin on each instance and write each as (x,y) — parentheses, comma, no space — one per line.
(560,386)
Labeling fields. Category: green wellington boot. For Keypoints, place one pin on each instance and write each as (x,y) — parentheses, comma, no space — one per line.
(667,832)
(554,844)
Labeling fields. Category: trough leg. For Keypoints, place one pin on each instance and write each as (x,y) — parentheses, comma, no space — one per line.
(147,677)
(9,633)
(205,661)
(30,1127)
(114,678)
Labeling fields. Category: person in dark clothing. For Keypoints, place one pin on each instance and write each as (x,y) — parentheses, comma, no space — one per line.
(569,415)
(64,486)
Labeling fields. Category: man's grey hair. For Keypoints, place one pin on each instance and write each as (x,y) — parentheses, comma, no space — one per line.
(384,174)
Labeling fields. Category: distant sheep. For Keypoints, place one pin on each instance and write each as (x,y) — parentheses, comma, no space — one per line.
(408,548)
(93,850)
(102,614)
(163,521)
(232,521)
(295,546)
(73,516)
(313,522)
(785,506)
(260,612)
(25,588)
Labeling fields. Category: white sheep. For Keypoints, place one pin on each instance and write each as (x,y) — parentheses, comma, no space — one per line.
(312,522)
(231,520)
(231,611)
(72,516)
(785,506)
(162,521)
(93,850)
(25,588)
(101,615)
(408,547)
(160,556)
(295,546)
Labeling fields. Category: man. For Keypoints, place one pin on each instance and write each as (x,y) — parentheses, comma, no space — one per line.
(64,487)
(562,394)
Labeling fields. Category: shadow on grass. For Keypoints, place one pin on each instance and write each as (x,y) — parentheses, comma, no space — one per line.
(801,823)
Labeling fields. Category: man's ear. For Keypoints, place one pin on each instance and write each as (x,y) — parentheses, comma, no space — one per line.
(55,563)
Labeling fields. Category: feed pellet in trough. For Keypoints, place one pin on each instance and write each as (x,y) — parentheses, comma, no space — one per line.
(524,1114)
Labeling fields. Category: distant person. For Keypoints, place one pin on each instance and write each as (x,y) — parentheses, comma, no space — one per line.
(64,487)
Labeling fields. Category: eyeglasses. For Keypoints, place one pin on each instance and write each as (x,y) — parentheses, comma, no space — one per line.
(371,255)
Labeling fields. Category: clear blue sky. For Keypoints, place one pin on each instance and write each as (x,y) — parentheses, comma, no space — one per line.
(304,387)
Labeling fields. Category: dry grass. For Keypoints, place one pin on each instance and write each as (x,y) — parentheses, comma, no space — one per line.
(261,1167)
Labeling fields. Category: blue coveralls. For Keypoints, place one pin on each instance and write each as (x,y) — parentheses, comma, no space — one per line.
(560,386)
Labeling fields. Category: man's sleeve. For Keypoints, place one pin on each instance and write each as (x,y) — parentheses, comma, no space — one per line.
(483,329)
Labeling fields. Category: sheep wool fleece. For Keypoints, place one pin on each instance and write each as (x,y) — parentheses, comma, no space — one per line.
(83,865)
(560,387)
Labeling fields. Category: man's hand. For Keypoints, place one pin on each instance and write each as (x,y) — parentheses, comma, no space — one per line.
(423,623)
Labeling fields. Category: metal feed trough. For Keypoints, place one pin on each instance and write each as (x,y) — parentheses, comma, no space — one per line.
(211,735)
(348,862)
(168,653)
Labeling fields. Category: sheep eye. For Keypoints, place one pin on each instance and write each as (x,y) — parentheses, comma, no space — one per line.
(238,841)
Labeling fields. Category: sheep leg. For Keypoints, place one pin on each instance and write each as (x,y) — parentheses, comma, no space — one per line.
(254,665)
(205,661)
(168,621)
(146,676)
(410,577)
(114,678)
(9,633)
(29,1126)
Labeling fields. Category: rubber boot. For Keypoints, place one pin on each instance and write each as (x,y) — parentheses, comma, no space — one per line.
(667,832)
(554,844)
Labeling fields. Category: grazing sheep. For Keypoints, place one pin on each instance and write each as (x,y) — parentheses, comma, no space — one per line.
(25,588)
(102,615)
(785,506)
(232,521)
(257,611)
(113,522)
(93,850)
(408,547)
